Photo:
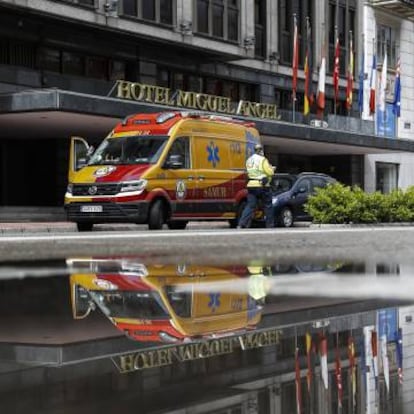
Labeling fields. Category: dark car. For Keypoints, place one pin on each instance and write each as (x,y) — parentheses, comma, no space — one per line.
(290,193)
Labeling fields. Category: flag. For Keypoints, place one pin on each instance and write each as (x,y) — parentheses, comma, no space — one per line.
(398,340)
(338,376)
(374,362)
(323,353)
(352,367)
(396,109)
(385,362)
(297,383)
(383,85)
(295,60)
(308,70)
(350,77)
(321,85)
(361,80)
(336,66)
(372,85)
(309,360)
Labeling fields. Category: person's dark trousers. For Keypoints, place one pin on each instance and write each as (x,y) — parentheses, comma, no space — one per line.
(254,194)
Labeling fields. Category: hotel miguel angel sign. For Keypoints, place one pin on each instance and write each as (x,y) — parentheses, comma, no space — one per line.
(192,100)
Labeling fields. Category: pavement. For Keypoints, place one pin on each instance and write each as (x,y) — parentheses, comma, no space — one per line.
(30,227)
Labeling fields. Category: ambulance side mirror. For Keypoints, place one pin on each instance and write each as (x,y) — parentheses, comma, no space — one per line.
(174,162)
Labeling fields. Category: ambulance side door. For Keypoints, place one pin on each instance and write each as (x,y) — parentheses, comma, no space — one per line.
(78,155)
(179,176)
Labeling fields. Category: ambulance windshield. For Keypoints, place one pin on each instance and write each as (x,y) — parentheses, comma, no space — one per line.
(142,149)
(136,305)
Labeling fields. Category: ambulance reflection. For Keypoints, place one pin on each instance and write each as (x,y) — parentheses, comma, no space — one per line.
(164,303)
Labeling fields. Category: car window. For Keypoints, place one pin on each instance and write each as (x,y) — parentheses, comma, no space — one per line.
(319,182)
(304,183)
(281,184)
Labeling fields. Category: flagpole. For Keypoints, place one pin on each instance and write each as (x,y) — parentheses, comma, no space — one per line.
(373,86)
(294,65)
(335,65)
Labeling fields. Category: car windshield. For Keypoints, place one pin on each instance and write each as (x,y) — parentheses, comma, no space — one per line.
(280,184)
(142,149)
(135,305)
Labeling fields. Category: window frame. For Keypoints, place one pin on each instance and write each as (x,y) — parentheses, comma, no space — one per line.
(233,5)
(138,6)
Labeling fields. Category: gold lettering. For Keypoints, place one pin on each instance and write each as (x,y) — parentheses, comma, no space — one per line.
(123,90)
(162,95)
(137,91)
(203,350)
(140,361)
(186,99)
(212,103)
(164,357)
(149,89)
(201,101)
(126,363)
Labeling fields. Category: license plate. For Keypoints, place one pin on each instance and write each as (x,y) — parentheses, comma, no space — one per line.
(91,209)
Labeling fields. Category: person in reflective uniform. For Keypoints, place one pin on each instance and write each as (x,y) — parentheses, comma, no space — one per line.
(259,172)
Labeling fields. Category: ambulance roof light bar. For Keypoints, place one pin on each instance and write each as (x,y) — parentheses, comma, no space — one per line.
(213,117)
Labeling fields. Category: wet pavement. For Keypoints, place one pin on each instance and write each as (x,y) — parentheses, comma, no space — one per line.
(312,319)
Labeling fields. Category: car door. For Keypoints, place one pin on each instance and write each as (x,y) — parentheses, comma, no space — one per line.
(300,195)
(180,182)
(79,149)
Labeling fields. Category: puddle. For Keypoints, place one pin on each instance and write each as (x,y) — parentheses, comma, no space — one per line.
(117,333)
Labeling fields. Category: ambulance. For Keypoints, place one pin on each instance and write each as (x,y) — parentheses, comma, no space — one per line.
(164,303)
(161,168)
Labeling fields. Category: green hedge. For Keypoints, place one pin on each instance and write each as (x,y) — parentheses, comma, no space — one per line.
(339,204)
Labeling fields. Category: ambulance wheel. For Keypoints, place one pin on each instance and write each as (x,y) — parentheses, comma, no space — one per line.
(84,226)
(156,216)
(240,208)
(177,225)
(285,218)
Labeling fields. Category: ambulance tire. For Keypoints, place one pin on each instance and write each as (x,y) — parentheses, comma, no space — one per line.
(156,217)
(177,225)
(84,226)
(240,208)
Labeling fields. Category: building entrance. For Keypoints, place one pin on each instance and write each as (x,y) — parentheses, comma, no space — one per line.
(32,173)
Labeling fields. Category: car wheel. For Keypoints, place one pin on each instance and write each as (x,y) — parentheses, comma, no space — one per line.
(84,226)
(177,225)
(286,217)
(156,216)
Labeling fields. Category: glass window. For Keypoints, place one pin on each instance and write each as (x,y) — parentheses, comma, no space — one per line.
(166,12)
(117,70)
(386,177)
(148,10)
(49,59)
(218,18)
(202,16)
(260,27)
(181,146)
(129,7)
(386,41)
(72,64)
(97,67)
(159,11)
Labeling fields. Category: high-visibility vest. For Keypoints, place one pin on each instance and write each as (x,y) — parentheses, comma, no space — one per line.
(254,166)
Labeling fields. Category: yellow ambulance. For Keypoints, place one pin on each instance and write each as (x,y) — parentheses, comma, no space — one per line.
(164,303)
(161,168)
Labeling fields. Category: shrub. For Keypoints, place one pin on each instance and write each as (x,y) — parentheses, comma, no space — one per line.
(337,204)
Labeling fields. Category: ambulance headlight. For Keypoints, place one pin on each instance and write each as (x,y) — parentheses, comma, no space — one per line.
(69,188)
(129,186)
